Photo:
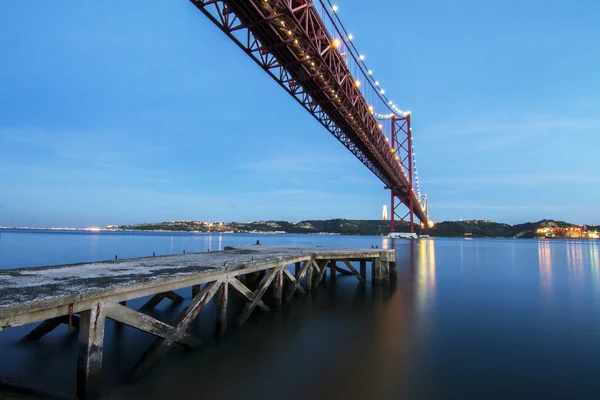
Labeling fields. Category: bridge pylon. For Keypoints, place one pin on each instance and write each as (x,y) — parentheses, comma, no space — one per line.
(402,147)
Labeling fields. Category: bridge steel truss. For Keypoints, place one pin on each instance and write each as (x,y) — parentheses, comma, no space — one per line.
(402,147)
(289,41)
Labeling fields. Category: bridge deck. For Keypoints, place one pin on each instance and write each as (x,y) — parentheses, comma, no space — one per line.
(84,295)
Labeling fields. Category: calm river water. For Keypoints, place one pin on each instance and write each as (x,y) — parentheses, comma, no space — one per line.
(466,319)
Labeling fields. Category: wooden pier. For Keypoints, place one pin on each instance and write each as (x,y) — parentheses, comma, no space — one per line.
(84,295)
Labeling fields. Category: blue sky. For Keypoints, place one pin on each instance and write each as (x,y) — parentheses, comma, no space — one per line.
(120,112)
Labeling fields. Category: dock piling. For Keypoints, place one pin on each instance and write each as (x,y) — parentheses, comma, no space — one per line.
(89,358)
(222,300)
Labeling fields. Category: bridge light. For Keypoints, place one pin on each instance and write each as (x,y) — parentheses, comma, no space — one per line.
(387,140)
(382,91)
(370,108)
(350,37)
(393,150)
(357,83)
(370,72)
(380,126)
(376,83)
(361,57)
(336,43)
(334,8)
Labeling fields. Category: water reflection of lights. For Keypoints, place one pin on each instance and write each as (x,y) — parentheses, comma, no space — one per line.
(575,260)
(385,243)
(545,265)
(425,269)
(595,261)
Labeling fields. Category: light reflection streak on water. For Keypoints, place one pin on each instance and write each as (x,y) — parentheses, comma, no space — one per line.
(545,265)
(575,262)
(425,267)
(94,246)
(595,264)
(385,243)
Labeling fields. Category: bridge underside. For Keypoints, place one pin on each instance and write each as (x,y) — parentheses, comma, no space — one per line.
(289,41)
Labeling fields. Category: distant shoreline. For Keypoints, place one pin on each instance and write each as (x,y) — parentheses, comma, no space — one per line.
(544,229)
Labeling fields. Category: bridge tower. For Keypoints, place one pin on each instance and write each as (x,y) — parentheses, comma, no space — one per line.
(402,147)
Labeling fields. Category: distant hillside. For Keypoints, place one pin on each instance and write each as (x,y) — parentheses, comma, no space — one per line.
(478,228)
(336,226)
(475,228)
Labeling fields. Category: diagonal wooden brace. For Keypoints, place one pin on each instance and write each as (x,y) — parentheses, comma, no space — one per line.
(161,345)
(145,323)
(260,291)
(48,326)
(322,269)
(157,298)
(247,293)
(294,286)
(353,270)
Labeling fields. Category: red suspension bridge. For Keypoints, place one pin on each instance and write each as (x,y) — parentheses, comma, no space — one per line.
(303,46)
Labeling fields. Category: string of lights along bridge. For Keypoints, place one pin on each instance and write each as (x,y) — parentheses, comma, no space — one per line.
(304,46)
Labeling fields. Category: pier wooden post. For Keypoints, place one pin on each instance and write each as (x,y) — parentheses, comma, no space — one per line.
(309,275)
(380,272)
(297,268)
(363,269)
(89,359)
(278,287)
(222,300)
(391,257)
(332,270)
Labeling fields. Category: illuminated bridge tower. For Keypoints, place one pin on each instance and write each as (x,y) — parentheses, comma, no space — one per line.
(402,147)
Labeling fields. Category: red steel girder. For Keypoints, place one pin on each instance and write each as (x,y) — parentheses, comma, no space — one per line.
(288,39)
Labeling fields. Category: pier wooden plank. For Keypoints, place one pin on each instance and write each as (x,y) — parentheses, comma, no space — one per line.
(40,293)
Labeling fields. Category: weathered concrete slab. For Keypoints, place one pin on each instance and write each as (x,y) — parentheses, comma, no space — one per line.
(27,290)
